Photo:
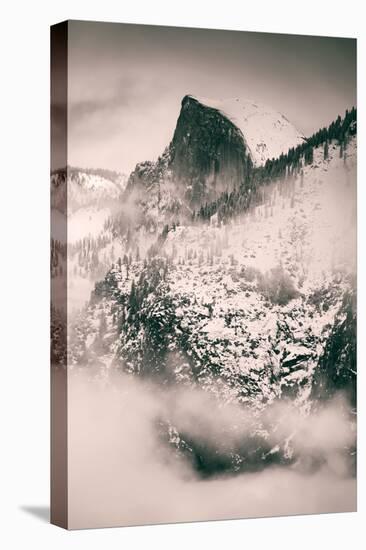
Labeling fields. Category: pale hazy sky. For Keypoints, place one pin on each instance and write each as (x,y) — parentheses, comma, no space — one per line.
(126,83)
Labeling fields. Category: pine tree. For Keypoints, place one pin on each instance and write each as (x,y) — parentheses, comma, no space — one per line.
(133,297)
(309,155)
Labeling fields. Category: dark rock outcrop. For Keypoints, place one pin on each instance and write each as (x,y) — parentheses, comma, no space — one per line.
(337,366)
(208,152)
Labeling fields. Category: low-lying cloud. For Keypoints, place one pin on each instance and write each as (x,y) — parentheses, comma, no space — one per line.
(120,473)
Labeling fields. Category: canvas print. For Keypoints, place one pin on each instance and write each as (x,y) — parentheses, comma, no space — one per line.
(203,262)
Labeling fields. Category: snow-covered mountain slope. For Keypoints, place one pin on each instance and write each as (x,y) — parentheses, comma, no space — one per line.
(82,202)
(85,188)
(250,312)
(267,132)
(241,286)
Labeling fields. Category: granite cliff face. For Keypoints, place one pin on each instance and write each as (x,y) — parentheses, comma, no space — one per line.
(208,152)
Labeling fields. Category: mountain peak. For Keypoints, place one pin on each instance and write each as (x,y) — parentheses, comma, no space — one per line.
(215,145)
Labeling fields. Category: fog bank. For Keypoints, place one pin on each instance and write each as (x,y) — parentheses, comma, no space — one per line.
(121,474)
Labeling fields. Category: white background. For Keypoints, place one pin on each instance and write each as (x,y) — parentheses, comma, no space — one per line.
(24,303)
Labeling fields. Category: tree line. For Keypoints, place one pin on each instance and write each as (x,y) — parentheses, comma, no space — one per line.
(288,164)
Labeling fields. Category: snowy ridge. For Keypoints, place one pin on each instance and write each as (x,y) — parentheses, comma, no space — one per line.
(267,132)
(224,281)
(84,189)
